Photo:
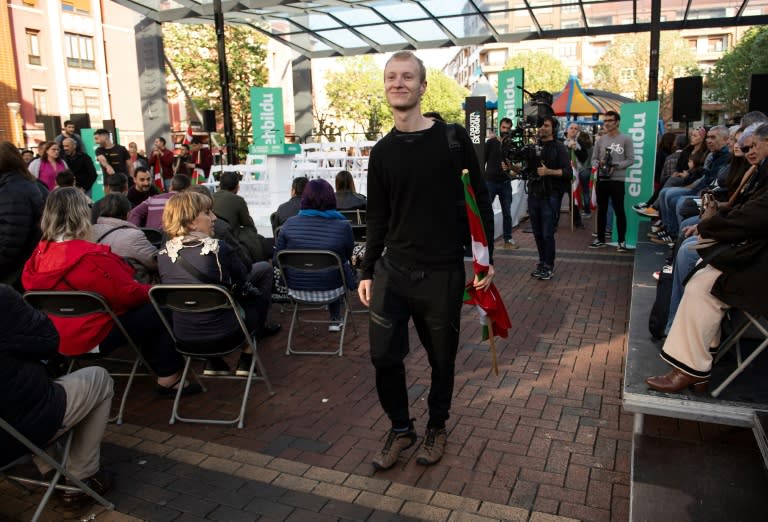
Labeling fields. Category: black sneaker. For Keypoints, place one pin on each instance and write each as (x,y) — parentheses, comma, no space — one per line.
(546,274)
(537,272)
(397,442)
(596,244)
(622,247)
(216,366)
(244,364)
(100,482)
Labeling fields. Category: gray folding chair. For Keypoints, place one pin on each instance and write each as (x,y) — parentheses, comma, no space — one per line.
(356,217)
(733,339)
(308,261)
(58,467)
(194,299)
(79,303)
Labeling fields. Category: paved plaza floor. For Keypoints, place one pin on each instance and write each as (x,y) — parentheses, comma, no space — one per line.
(545,440)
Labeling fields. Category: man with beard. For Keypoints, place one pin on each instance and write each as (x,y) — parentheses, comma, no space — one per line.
(142,187)
(80,164)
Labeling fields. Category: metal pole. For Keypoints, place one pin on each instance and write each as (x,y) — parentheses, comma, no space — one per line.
(229,137)
(653,64)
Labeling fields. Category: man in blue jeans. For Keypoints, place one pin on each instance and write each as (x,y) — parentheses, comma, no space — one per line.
(497,180)
(545,188)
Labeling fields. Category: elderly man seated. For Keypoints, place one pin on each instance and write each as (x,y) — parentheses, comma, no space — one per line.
(733,275)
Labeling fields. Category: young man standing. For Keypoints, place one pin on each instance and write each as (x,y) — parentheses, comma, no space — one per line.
(416,211)
(612,185)
(69,132)
(497,180)
(112,157)
(545,192)
(161,161)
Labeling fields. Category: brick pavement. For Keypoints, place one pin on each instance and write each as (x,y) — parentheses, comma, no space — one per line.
(545,438)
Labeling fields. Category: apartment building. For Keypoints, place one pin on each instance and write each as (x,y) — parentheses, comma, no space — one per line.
(70,57)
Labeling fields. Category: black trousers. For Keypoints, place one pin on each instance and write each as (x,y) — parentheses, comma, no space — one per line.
(144,326)
(432,298)
(613,190)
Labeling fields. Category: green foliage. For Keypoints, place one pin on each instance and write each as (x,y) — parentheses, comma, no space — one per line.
(543,72)
(729,79)
(356,95)
(444,95)
(191,50)
(624,67)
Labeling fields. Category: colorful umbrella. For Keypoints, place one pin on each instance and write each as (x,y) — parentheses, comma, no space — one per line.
(573,100)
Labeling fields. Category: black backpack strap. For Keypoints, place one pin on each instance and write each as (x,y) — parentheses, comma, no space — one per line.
(454,146)
(108,232)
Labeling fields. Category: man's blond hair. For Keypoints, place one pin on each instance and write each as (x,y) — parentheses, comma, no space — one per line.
(408,55)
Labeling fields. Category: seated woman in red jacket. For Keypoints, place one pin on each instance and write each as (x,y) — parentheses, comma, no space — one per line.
(65,260)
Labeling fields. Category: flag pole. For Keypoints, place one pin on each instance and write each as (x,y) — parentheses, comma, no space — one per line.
(492,342)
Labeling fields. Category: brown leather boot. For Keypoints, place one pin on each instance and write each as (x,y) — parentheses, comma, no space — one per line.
(675,380)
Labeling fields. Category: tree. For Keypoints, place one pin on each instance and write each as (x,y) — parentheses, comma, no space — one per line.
(356,96)
(624,66)
(543,72)
(197,65)
(729,79)
(444,95)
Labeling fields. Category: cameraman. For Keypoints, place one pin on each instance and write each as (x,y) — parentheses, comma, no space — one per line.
(545,188)
(496,178)
(612,168)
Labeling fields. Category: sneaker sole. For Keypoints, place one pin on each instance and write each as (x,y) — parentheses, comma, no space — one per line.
(215,373)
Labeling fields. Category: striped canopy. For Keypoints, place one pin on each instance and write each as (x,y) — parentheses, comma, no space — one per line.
(574,101)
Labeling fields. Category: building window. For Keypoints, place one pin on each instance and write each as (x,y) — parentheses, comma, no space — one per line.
(85,100)
(76,6)
(717,44)
(567,50)
(40,100)
(79,50)
(568,6)
(33,47)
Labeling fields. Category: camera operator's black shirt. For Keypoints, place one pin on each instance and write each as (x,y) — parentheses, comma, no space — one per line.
(414,185)
(493,159)
(555,156)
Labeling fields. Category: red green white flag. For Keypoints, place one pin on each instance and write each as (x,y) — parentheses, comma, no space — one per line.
(490,306)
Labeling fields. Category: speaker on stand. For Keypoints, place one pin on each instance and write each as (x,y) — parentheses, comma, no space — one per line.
(686,100)
(209,120)
(758,89)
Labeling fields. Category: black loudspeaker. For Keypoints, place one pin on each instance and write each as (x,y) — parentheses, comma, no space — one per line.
(109,126)
(209,120)
(52,126)
(81,121)
(686,99)
(758,93)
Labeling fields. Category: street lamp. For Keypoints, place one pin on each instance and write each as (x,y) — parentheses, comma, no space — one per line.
(14,107)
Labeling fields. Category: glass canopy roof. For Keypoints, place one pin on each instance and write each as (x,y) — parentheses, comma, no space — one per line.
(323,28)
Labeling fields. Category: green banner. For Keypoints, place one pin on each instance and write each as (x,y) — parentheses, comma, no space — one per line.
(639,122)
(267,120)
(89,147)
(511,94)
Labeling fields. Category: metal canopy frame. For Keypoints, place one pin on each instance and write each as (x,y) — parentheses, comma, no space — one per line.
(324,28)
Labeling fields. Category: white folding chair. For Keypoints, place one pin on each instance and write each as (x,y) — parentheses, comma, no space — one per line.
(58,467)
(292,262)
(195,299)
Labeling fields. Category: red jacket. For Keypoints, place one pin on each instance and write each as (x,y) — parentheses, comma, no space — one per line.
(82,265)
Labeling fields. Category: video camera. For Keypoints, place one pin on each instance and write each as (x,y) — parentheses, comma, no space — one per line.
(520,146)
(606,169)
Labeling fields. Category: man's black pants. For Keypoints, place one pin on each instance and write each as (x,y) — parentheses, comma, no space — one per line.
(613,190)
(433,299)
